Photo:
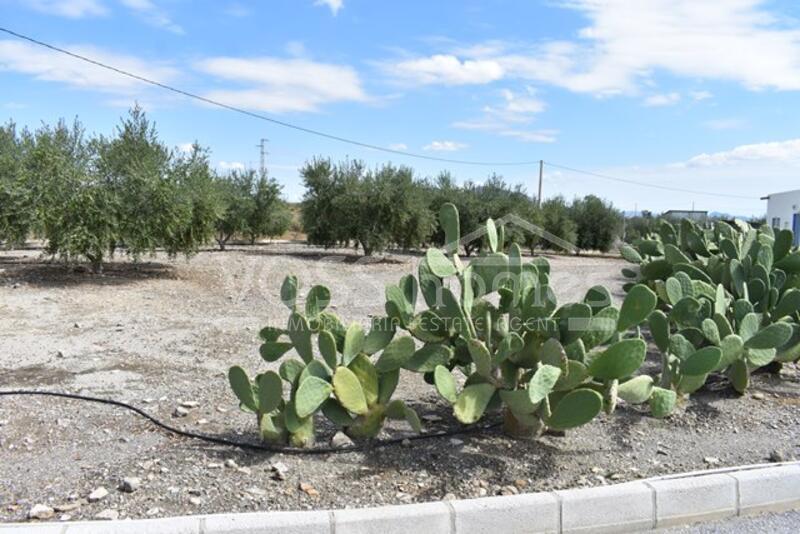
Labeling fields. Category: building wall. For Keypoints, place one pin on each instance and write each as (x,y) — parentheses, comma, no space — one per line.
(781,208)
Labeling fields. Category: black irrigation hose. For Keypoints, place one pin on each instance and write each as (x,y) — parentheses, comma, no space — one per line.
(373,444)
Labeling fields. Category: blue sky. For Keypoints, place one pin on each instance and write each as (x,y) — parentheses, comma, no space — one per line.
(697,95)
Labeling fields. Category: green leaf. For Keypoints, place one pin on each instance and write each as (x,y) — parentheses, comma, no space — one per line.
(659,329)
(732,348)
(300,334)
(788,305)
(310,395)
(637,390)
(367,376)
(480,357)
(270,391)
(543,382)
(327,347)
(491,235)
(630,254)
(439,264)
(771,337)
(449,221)
(739,375)
(289,292)
(353,343)
(702,361)
(272,350)
(601,327)
(428,357)
(348,390)
(472,402)
(576,408)
(748,327)
(387,383)
(318,299)
(662,402)
(620,360)
(242,388)
(638,304)
(290,370)
(445,384)
(710,331)
(396,354)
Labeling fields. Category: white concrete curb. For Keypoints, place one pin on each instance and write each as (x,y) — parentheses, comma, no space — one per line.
(631,506)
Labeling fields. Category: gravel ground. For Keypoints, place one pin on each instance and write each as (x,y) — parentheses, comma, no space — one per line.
(783,523)
(165,332)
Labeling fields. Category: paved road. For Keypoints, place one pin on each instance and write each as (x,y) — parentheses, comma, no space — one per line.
(785,523)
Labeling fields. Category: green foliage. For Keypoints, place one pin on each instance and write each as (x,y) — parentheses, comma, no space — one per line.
(556,220)
(89,197)
(373,209)
(727,302)
(598,223)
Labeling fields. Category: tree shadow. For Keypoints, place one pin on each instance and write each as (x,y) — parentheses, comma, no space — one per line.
(331,256)
(49,274)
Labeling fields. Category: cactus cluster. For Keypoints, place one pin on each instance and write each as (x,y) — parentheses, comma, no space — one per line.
(728,301)
(489,335)
(338,378)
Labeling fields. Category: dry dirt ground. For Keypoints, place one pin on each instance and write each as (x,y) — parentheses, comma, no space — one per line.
(165,332)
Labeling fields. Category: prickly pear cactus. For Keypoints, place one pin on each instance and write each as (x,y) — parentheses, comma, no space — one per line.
(728,301)
(344,373)
(494,338)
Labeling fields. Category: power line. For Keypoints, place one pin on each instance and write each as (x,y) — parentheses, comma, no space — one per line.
(644,184)
(261,116)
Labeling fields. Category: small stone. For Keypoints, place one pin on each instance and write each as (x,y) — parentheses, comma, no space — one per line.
(153,511)
(180,412)
(406,443)
(597,470)
(509,490)
(195,501)
(231,463)
(40,511)
(194,491)
(456,442)
(202,422)
(76,325)
(130,484)
(482,492)
(215,466)
(758,396)
(340,439)
(616,476)
(98,494)
(108,514)
(432,418)
(520,483)
(64,517)
(279,471)
(258,492)
(711,460)
(189,404)
(60,354)
(309,490)
(449,497)
(68,507)
(777,456)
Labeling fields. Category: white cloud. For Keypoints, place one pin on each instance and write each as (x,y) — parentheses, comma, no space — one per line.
(334,5)
(700,95)
(186,148)
(509,118)
(231,165)
(776,151)
(52,66)
(446,70)
(444,146)
(626,43)
(398,146)
(153,15)
(73,9)
(661,100)
(282,85)
(724,124)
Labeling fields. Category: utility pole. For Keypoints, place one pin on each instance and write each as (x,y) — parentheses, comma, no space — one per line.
(541,173)
(262,145)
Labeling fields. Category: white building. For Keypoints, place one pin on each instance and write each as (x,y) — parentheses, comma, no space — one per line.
(783,211)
